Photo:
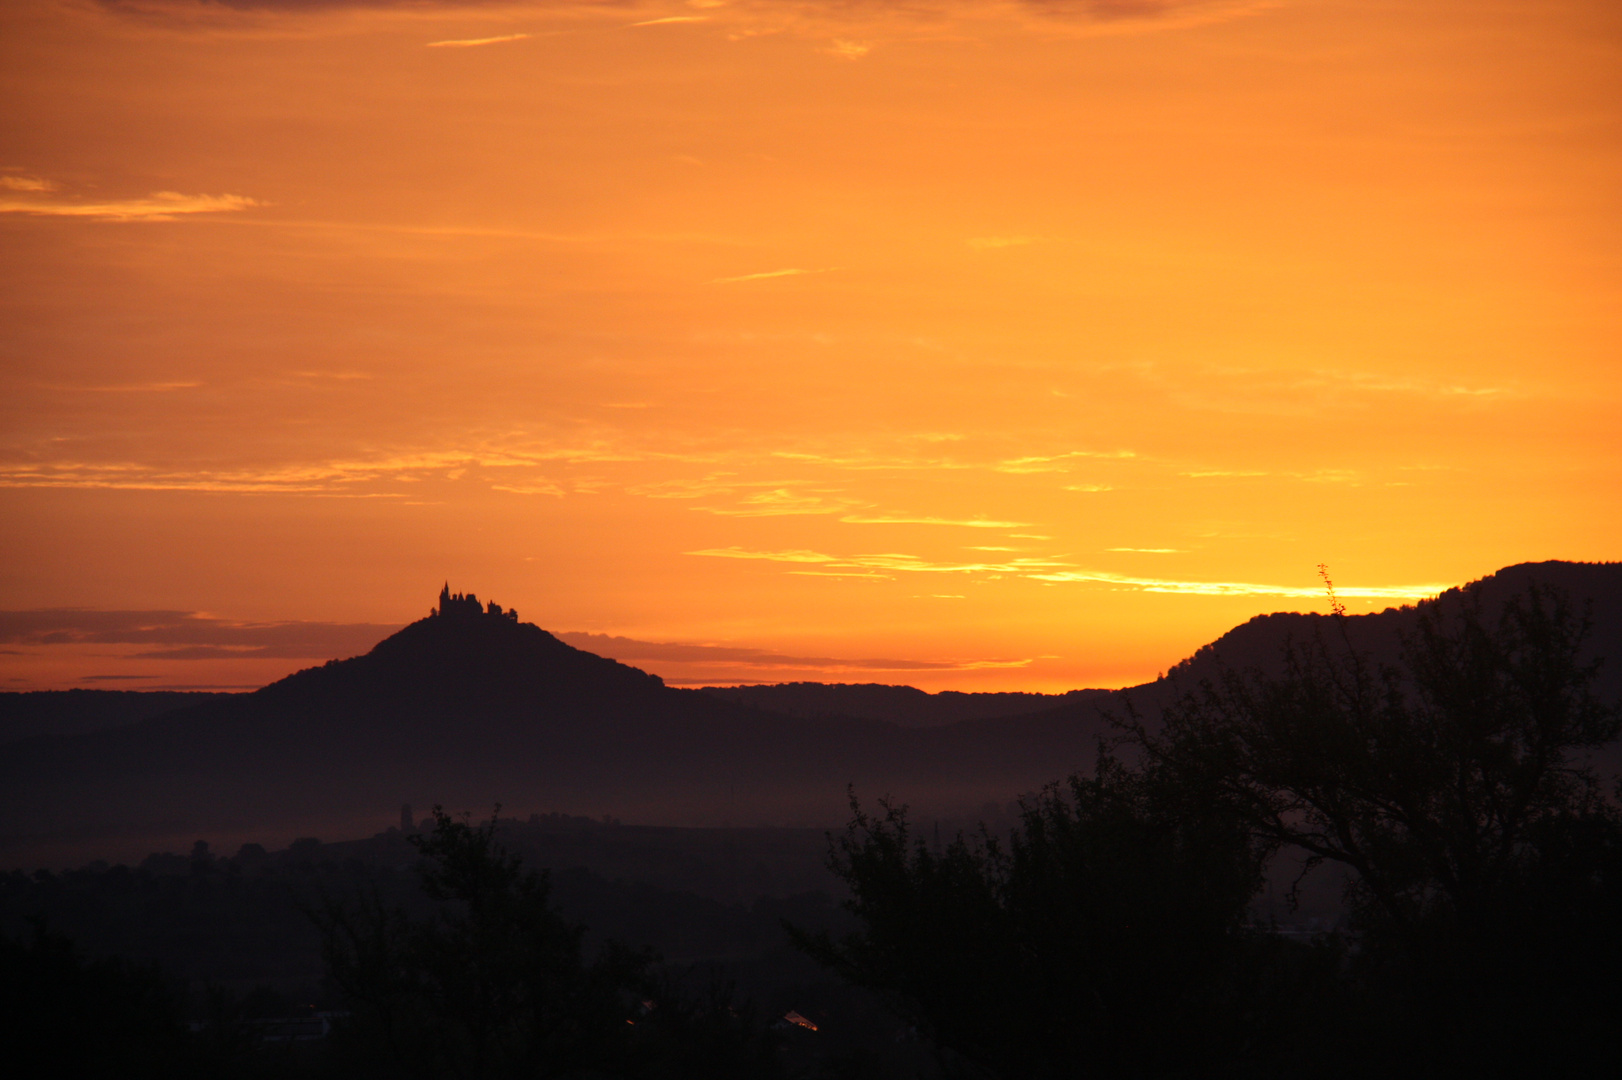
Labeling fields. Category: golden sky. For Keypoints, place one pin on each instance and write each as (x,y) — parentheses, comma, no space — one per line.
(967,344)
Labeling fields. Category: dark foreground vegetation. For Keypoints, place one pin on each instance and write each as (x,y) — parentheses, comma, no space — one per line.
(1112,932)
(432,953)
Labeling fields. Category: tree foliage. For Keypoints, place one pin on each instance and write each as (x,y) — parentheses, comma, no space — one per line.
(494,983)
(1108,936)
(84,1017)
(1104,936)
(1437,780)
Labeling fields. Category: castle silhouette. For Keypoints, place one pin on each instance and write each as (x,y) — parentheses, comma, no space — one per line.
(457,606)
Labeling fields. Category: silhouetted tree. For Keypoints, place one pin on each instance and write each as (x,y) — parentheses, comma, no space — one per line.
(64,1015)
(1484,854)
(494,983)
(1433,780)
(1107,938)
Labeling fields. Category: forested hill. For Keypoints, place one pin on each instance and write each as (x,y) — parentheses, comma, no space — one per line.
(904,705)
(1596,587)
(74,712)
(470,708)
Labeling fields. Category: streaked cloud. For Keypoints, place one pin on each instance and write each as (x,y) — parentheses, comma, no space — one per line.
(846,49)
(1239,588)
(844,574)
(811,16)
(27,183)
(789,272)
(334,477)
(1315,476)
(629,649)
(782,502)
(468,43)
(189,635)
(709,485)
(883,563)
(124,388)
(774,556)
(159,206)
(874,462)
(991,243)
(1057,570)
(1058,462)
(530,489)
(897,519)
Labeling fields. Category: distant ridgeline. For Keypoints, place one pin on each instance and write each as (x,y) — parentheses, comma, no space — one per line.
(466,606)
(470,707)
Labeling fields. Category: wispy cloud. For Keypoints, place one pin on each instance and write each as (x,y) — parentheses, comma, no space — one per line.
(897,519)
(530,489)
(844,573)
(1316,476)
(1056,570)
(782,502)
(122,388)
(189,635)
(710,485)
(846,49)
(627,649)
(789,272)
(818,19)
(988,243)
(872,462)
(1237,588)
(159,206)
(344,477)
(774,556)
(468,43)
(27,183)
(1058,462)
(882,563)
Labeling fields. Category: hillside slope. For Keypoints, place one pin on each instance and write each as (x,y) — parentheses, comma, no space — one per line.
(469,708)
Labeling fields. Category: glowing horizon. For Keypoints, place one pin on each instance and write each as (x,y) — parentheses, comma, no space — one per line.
(1028,346)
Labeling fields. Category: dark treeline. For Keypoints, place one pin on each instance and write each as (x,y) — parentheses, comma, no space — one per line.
(200,964)
(74,712)
(1112,933)
(904,705)
(1114,929)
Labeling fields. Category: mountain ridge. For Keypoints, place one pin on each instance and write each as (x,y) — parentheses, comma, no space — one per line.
(470,707)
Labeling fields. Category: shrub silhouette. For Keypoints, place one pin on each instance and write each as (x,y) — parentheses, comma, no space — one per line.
(1485,856)
(71,1016)
(493,983)
(1107,937)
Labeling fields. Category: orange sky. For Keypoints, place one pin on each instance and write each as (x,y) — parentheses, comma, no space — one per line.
(966,344)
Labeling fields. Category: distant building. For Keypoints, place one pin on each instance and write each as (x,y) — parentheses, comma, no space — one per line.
(459,606)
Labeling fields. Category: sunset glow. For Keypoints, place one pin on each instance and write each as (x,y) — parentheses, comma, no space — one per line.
(971,345)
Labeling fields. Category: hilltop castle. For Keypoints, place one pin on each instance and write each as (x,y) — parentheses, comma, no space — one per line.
(457,606)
